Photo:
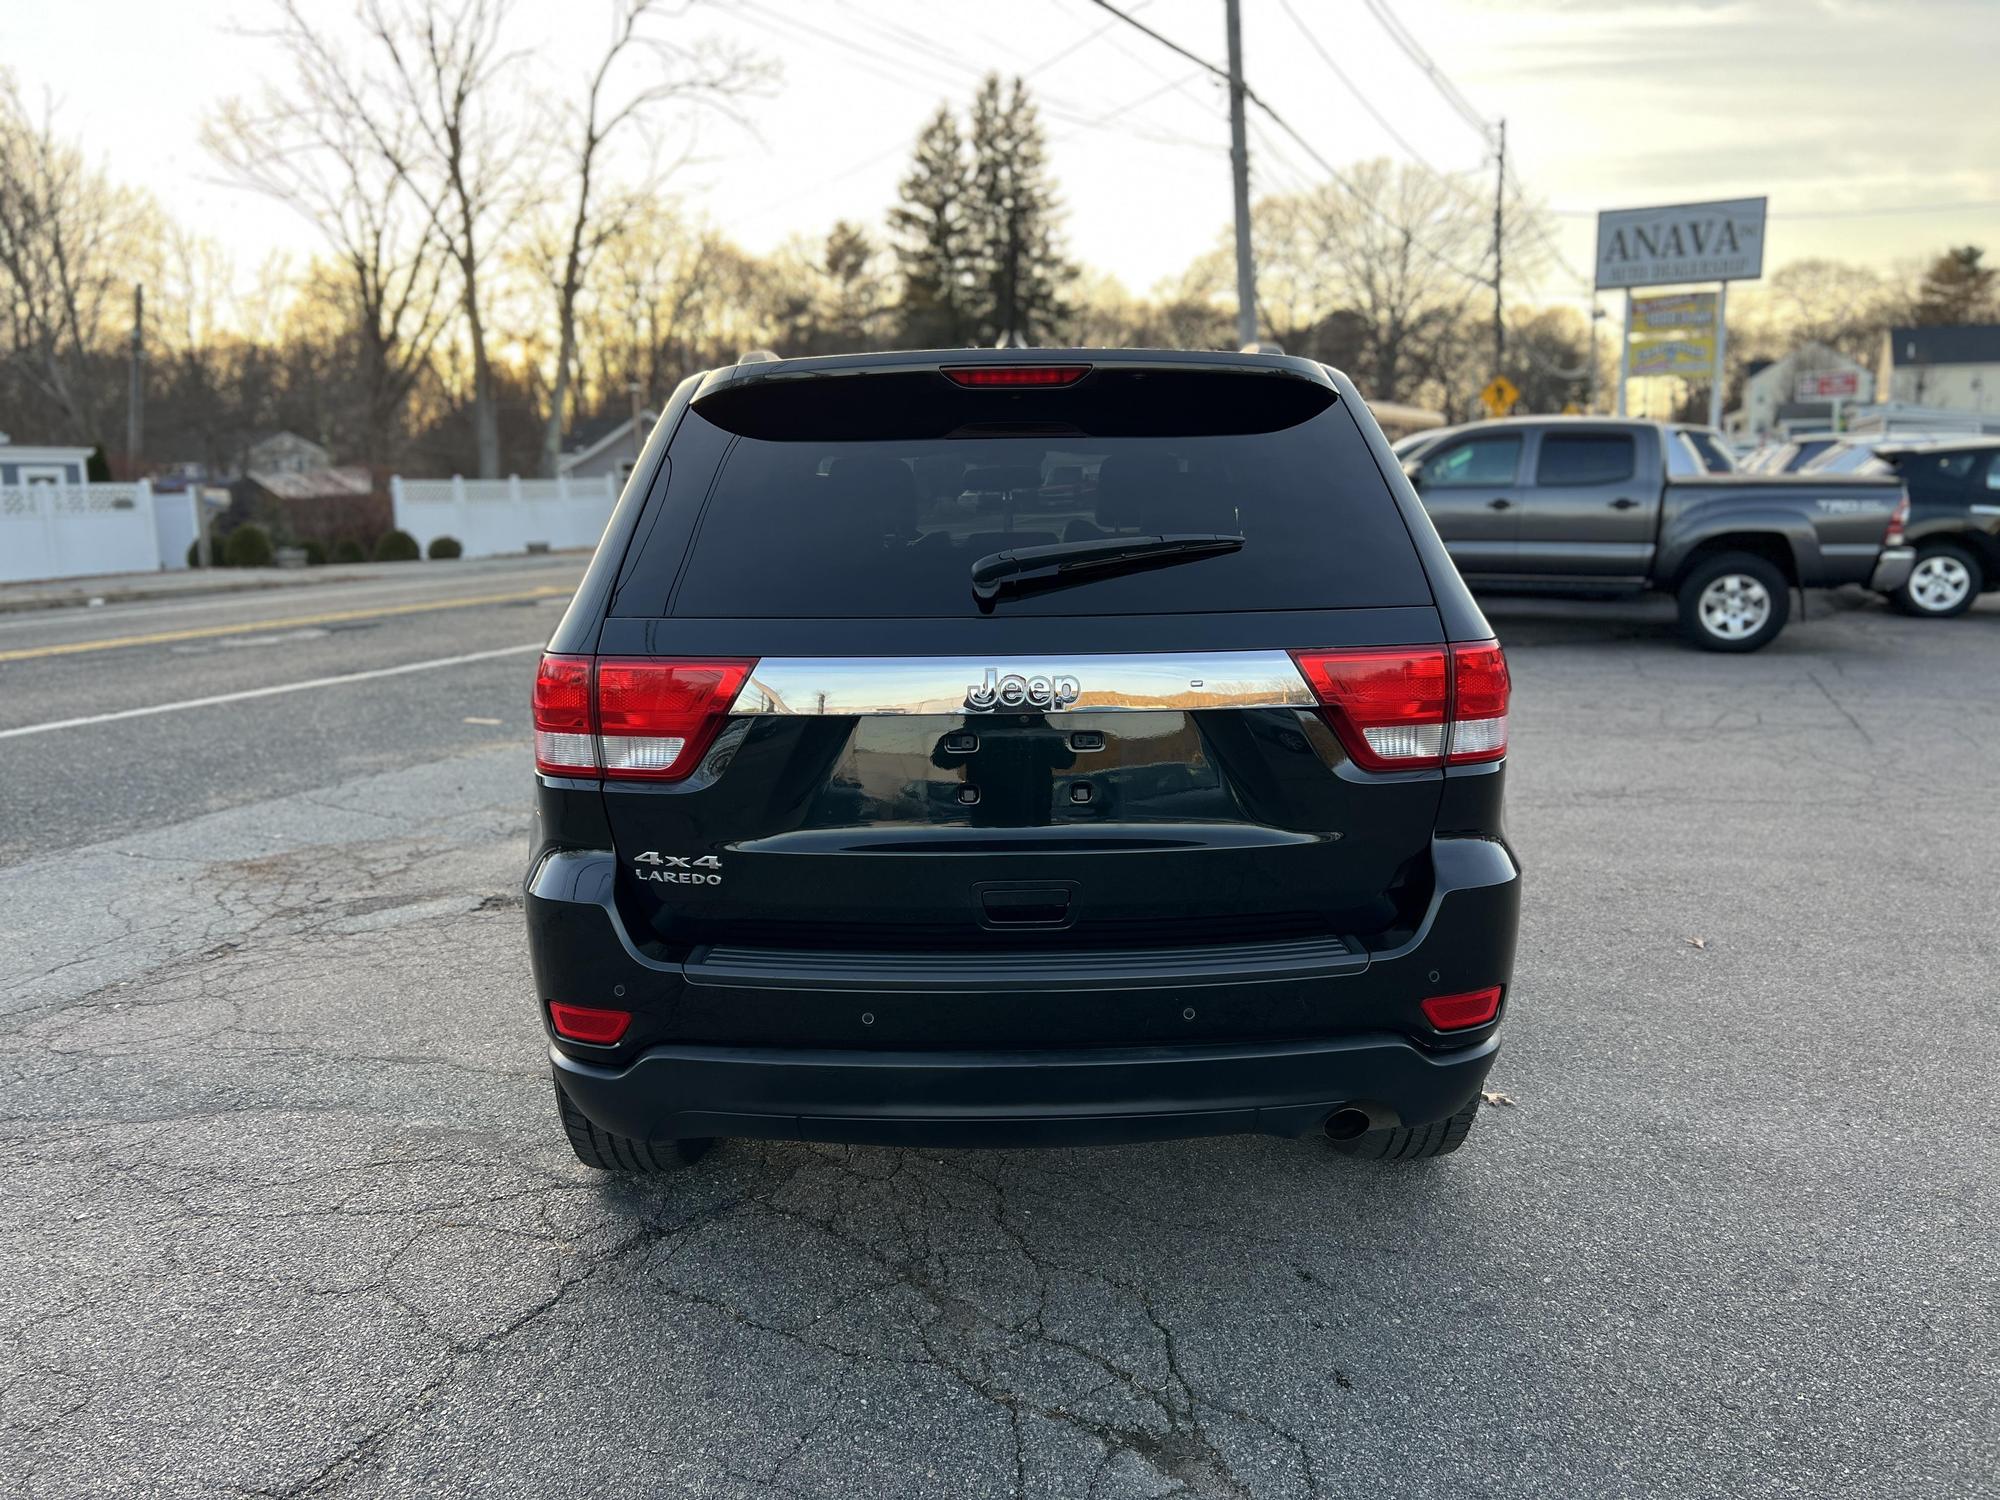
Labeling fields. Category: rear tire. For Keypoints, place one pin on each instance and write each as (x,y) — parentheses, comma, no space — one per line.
(1734,601)
(619,1153)
(1412,1142)
(1944,582)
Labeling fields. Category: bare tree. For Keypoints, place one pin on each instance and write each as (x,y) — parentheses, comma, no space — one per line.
(445,64)
(1398,248)
(318,143)
(66,238)
(702,74)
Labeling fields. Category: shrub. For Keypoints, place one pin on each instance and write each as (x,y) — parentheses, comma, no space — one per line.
(248,546)
(444,547)
(347,550)
(396,546)
(315,553)
(214,553)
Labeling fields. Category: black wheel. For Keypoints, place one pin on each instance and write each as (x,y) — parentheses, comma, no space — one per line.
(1734,601)
(1944,582)
(619,1153)
(1412,1142)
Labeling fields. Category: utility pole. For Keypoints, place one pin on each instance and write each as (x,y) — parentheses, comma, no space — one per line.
(135,400)
(1499,221)
(1239,165)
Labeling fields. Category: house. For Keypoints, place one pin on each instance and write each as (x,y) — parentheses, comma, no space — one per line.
(1952,367)
(1770,392)
(282,453)
(20,464)
(604,445)
(325,505)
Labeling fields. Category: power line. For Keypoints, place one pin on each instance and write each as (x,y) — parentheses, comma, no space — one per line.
(1413,50)
(1277,119)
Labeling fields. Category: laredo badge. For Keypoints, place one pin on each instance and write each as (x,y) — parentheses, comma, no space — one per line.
(678,869)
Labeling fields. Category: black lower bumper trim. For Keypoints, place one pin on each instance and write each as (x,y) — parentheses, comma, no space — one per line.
(1025,1098)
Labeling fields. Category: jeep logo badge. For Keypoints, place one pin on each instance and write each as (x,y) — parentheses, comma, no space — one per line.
(1017,691)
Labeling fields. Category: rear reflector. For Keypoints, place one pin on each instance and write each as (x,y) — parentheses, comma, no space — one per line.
(1457,1012)
(1408,708)
(584,1023)
(1015,375)
(646,719)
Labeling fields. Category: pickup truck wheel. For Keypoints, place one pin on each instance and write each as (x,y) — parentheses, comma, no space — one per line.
(1944,583)
(1412,1142)
(620,1153)
(1736,601)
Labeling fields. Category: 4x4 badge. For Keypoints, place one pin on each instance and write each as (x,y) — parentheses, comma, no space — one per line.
(1017,691)
(677,869)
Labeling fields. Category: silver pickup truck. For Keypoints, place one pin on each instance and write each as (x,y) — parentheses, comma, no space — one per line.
(1592,505)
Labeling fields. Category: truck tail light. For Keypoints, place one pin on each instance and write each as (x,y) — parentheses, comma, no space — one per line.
(1461,1012)
(586,1023)
(1898,519)
(631,718)
(1410,708)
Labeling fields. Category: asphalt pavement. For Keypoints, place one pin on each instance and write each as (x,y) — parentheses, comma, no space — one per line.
(284,1209)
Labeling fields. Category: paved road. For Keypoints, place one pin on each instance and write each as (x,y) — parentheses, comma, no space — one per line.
(283,1209)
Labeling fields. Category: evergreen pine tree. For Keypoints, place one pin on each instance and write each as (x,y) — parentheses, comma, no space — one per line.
(1020,275)
(1957,289)
(930,241)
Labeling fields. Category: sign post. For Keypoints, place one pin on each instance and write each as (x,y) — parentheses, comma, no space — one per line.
(1674,246)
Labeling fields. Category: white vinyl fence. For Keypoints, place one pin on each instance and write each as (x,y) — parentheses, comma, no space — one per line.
(495,516)
(76,530)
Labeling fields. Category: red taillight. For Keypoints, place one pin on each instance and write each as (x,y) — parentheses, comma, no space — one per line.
(1388,703)
(656,719)
(1480,689)
(643,718)
(1898,519)
(1015,375)
(1409,708)
(1457,1012)
(564,742)
(585,1023)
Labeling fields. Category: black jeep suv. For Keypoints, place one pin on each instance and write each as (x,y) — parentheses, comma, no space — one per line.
(1019,747)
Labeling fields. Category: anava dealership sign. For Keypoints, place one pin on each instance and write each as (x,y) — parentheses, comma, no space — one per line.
(1683,243)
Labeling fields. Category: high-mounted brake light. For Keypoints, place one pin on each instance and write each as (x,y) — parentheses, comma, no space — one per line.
(1015,375)
(1459,1012)
(586,1023)
(1413,708)
(639,718)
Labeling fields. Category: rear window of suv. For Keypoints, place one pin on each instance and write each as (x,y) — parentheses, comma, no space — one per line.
(889,523)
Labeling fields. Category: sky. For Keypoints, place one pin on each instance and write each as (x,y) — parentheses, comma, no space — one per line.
(1872,125)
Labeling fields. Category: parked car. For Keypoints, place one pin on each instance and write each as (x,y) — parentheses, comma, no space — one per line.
(1954,525)
(1791,456)
(865,815)
(1602,506)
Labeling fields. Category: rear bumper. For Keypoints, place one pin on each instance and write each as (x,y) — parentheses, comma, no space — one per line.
(1892,569)
(1098,1095)
(1068,1045)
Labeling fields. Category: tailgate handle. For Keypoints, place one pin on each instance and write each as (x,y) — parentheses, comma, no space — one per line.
(1013,903)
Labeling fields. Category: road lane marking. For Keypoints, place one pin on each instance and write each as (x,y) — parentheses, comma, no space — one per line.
(205,632)
(268,692)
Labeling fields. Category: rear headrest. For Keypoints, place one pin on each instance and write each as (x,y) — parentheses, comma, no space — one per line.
(1147,492)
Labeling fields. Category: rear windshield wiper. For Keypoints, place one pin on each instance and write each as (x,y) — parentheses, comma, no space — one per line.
(1025,568)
